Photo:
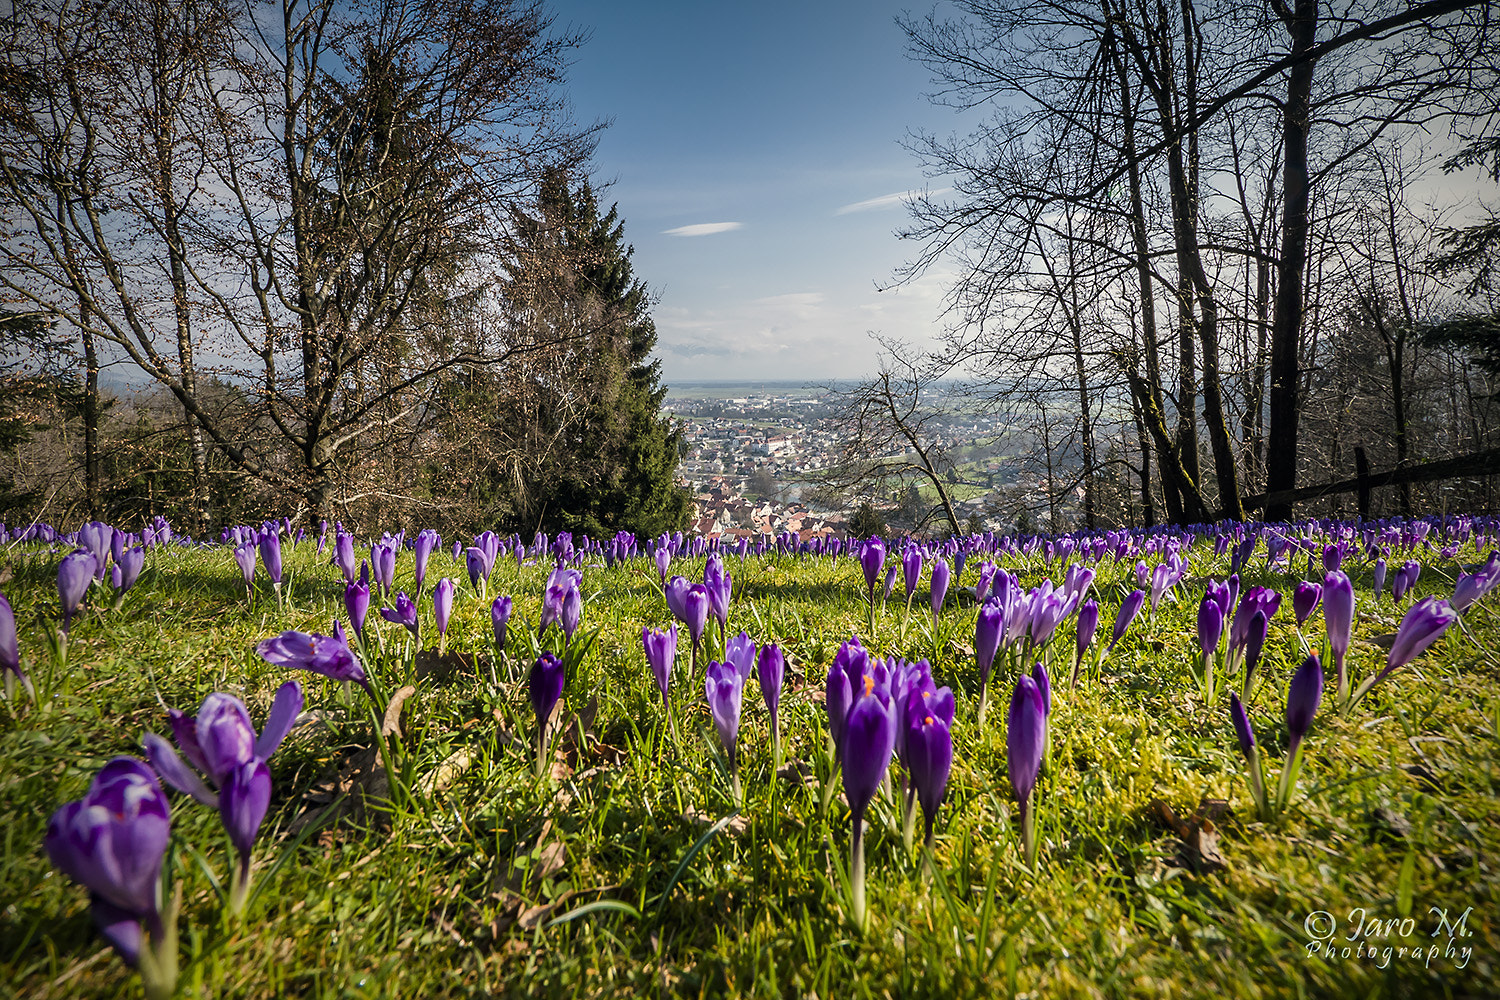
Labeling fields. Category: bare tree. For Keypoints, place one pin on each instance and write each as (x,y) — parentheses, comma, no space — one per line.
(294,191)
(886,430)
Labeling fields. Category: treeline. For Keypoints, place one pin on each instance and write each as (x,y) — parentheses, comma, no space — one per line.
(1209,249)
(347,256)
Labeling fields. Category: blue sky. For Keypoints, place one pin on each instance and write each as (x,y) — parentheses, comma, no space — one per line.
(755,156)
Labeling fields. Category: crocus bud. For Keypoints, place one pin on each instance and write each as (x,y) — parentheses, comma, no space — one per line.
(357,604)
(500,619)
(1305,598)
(1302,699)
(871,558)
(989,627)
(869,742)
(1210,626)
(1242,729)
(244,554)
(1129,608)
(442,603)
(724,686)
(270,554)
(661,651)
(939,590)
(1026,735)
(771,669)
(739,651)
(911,567)
(1088,624)
(1422,625)
(546,686)
(1338,616)
(695,611)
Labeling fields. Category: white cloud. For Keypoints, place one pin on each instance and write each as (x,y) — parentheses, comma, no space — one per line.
(887,201)
(702,229)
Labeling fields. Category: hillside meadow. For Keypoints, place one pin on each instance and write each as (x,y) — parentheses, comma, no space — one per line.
(402,836)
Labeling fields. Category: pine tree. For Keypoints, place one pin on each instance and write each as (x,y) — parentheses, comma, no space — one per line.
(599,456)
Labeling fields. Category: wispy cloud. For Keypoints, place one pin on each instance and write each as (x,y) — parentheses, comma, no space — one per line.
(702,229)
(891,200)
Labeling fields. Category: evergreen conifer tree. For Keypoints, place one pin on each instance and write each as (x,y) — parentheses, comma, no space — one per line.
(599,457)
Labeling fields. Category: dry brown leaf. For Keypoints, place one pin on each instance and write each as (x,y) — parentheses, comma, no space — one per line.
(392,722)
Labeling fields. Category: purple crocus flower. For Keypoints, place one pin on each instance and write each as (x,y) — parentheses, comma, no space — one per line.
(269,543)
(10,649)
(939,589)
(1025,741)
(1406,578)
(74,574)
(1338,620)
(911,568)
(1333,557)
(1243,731)
(871,558)
(1305,599)
(1257,599)
(343,555)
(663,558)
(1302,699)
(548,676)
(989,629)
(676,594)
(127,568)
(113,842)
(474,562)
(403,614)
(1088,624)
(426,542)
(929,760)
(562,590)
(695,604)
(1210,626)
(724,686)
(770,667)
(661,651)
(719,586)
(383,564)
(357,604)
(442,604)
(320,654)
(1380,571)
(1422,625)
(890,583)
(244,555)
(869,741)
(500,619)
(740,651)
(1129,608)
(1047,610)
(1255,641)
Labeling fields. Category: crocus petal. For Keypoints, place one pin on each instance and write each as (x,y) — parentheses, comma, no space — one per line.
(174,772)
(225,735)
(243,800)
(284,711)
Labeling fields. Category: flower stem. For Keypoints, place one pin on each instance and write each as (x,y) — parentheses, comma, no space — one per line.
(857,876)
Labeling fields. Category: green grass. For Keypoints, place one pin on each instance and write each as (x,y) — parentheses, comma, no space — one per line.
(493,882)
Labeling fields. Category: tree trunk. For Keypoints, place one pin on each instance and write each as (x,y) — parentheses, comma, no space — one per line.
(1142,252)
(1286,326)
